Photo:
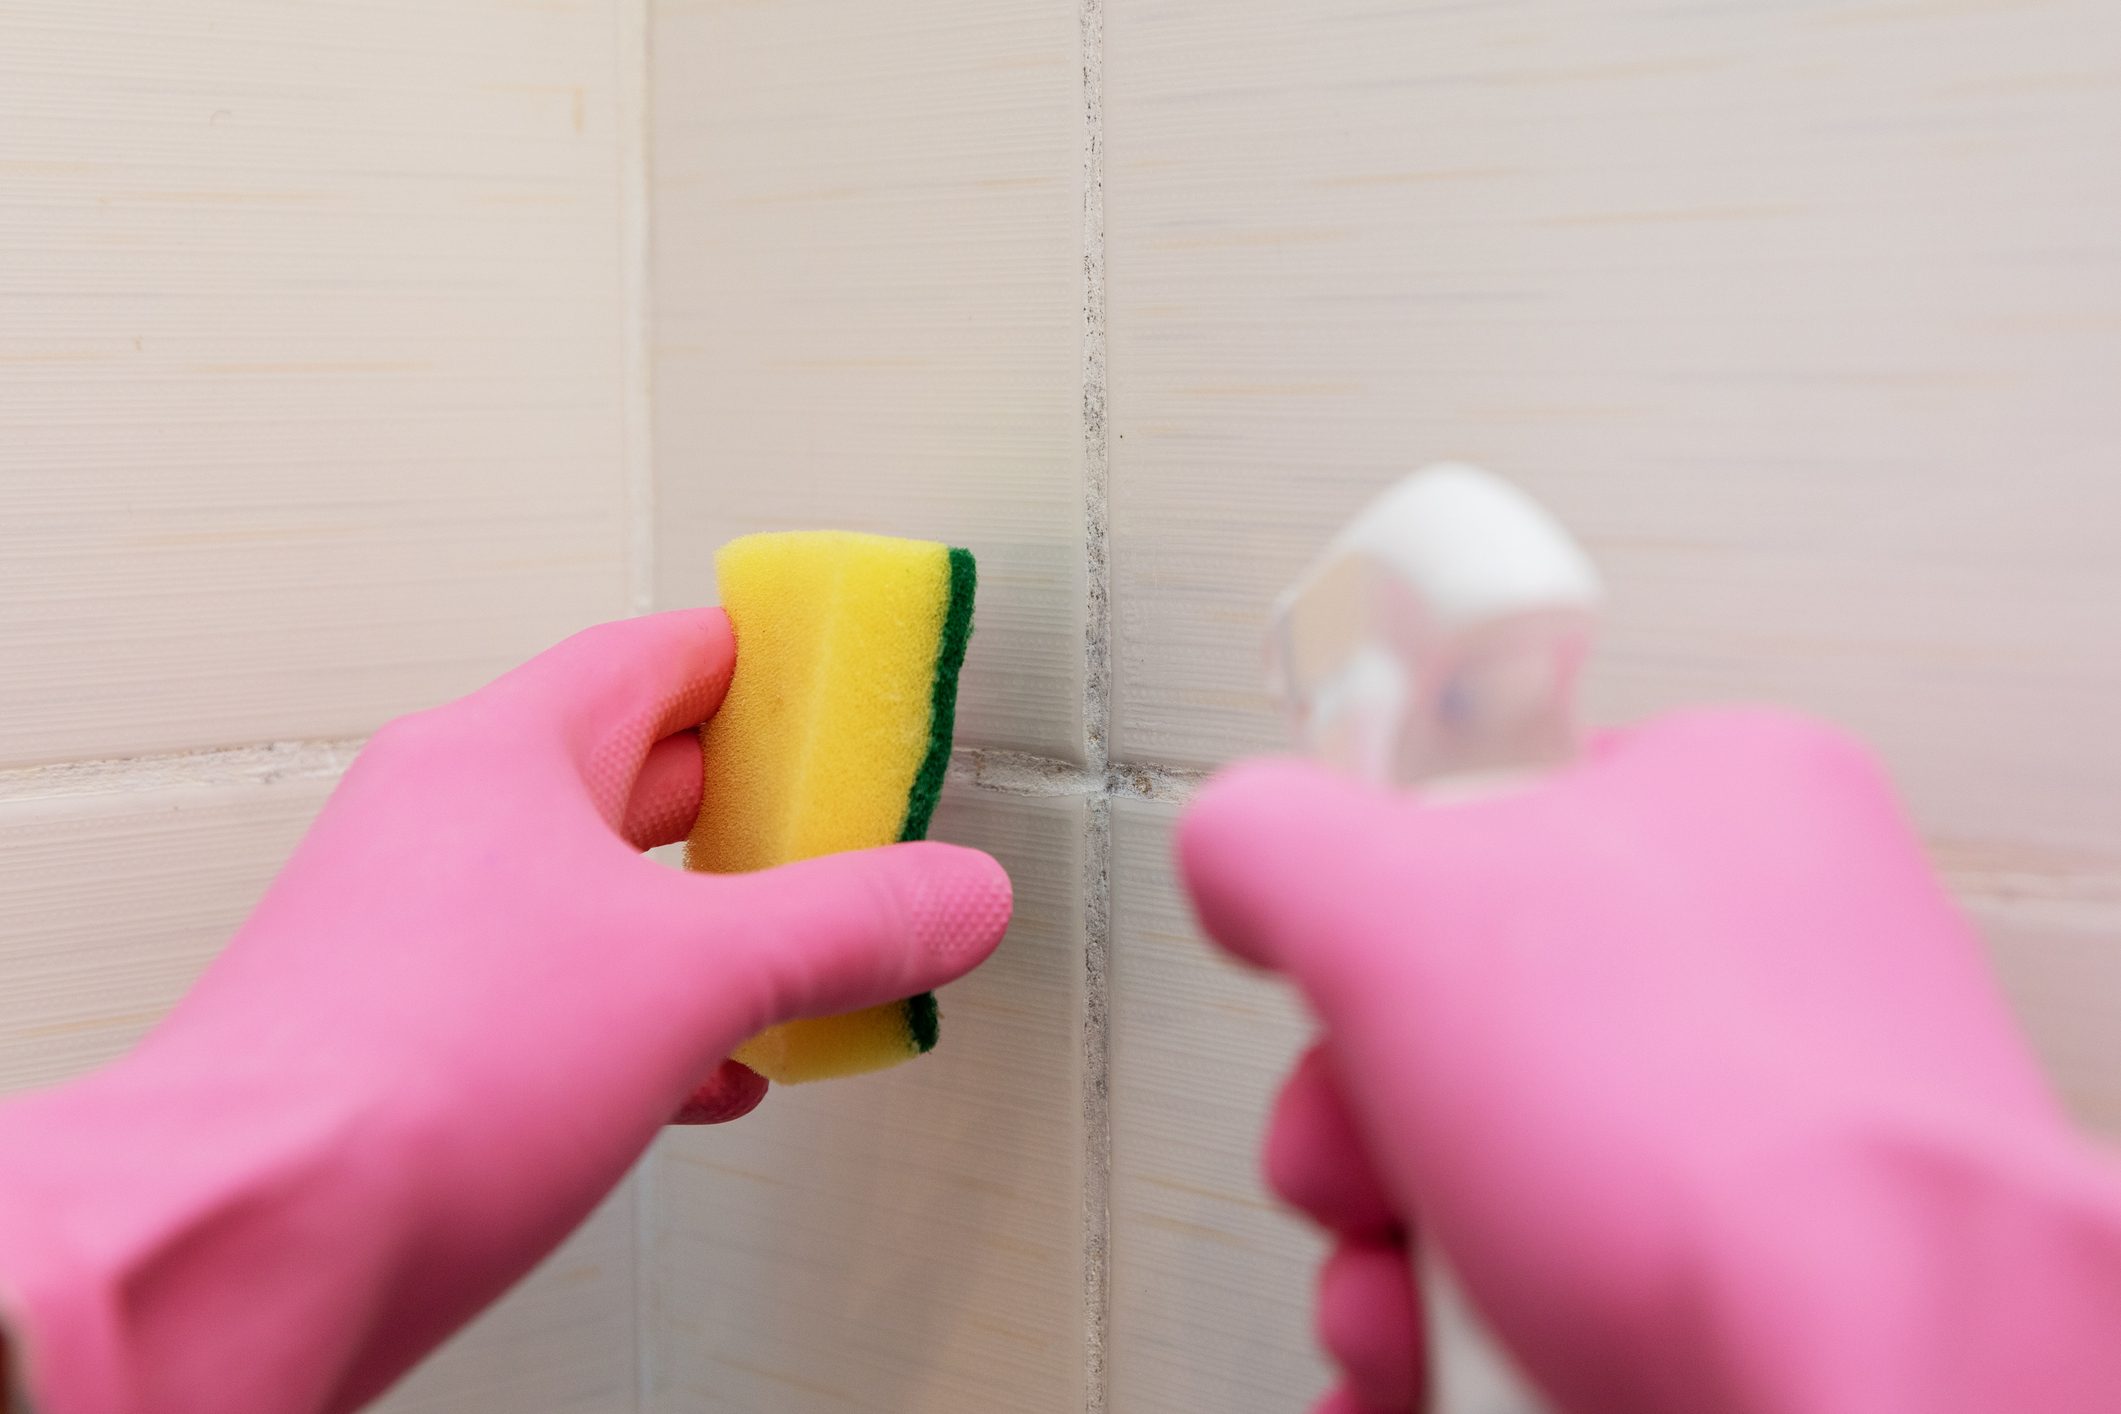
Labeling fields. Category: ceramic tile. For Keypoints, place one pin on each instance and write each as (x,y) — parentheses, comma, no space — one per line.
(112,903)
(310,346)
(1801,315)
(912,1240)
(868,309)
(1211,1278)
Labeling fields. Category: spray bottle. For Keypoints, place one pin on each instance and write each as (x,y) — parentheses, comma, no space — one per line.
(1437,644)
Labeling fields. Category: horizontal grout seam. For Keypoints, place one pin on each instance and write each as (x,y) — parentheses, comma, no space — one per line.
(267,763)
(1023,774)
(976,768)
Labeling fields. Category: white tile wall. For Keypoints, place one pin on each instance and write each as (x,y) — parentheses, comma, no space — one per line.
(310,349)
(868,308)
(1211,1279)
(910,1241)
(1802,314)
(320,389)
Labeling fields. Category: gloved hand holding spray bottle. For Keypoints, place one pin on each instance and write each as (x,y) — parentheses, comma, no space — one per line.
(1673,1047)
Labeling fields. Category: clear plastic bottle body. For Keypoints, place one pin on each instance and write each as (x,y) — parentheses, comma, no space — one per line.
(1437,643)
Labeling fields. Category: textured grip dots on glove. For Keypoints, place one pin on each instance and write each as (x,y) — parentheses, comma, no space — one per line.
(958,912)
(610,768)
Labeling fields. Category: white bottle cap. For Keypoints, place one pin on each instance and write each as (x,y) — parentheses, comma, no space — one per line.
(1439,635)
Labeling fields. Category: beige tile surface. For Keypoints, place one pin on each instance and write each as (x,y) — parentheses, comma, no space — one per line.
(1211,1280)
(2055,935)
(310,349)
(111,903)
(868,308)
(1804,316)
(909,1241)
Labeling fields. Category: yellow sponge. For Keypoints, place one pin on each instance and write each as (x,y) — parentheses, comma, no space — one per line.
(834,736)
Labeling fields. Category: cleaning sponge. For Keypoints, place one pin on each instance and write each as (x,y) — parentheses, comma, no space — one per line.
(834,736)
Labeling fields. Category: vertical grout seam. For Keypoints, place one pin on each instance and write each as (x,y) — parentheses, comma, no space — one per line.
(1097,716)
(1097,621)
(1097,1110)
(636,253)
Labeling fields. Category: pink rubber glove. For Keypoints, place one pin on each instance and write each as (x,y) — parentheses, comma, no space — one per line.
(1687,1064)
(463,1009)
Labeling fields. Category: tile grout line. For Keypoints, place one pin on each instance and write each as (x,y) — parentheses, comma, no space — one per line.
(636,266)
(1000,772)
(636,361)
(1097,619)
(1096,780)
(1097,1099)
(988,771)
(261,764)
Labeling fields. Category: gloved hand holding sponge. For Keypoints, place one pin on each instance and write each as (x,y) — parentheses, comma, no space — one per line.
(460,1014)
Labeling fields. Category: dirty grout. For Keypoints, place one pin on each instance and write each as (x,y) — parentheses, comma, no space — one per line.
(263,764)
(1097,716)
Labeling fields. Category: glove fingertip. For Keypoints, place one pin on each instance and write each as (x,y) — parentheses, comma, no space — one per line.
(959,902)
(842,932)
(1236,842)
(733,1091)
